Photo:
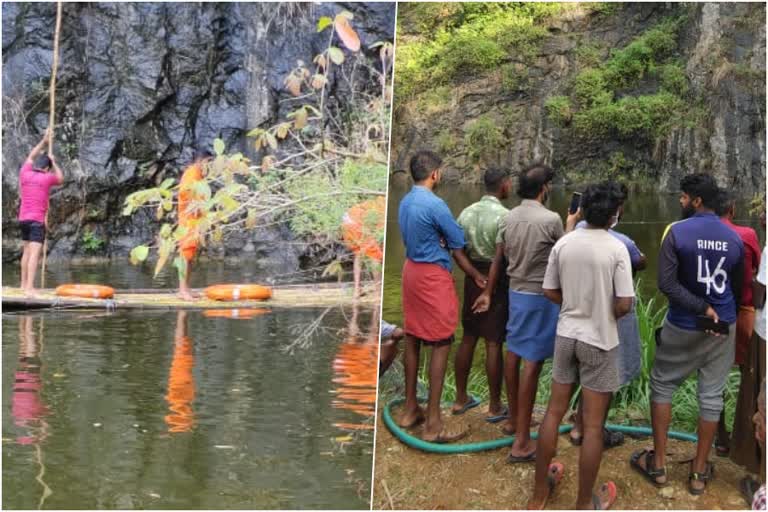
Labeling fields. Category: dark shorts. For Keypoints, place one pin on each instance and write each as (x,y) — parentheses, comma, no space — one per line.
(492,324)
(32,231)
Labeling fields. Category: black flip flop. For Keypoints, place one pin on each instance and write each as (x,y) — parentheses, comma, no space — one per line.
(473,402)
(515,459)
(611,439)
(496,418)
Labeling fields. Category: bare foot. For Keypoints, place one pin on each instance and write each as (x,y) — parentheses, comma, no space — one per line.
(445,435)
(523,451)
(30,293)
(186,295)
(509,427)
(410,419)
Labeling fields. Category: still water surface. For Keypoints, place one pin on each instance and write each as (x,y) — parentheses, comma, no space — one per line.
(187,410)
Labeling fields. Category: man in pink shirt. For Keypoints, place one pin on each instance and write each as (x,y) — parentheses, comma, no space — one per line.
(745,322)
(36,178)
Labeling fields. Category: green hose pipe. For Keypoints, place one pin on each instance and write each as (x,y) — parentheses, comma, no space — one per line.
(420,444)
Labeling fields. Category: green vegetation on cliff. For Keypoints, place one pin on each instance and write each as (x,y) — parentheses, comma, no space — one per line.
(463,39)
(598,106)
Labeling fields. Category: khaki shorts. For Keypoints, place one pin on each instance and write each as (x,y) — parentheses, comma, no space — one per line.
(576,361)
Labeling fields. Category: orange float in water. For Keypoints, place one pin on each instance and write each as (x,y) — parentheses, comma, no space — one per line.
(88,291)
(234,313)
(363,225)
(231,292)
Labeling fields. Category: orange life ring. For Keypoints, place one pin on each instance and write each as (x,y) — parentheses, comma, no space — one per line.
(87,291)
(242,314)
(234,292)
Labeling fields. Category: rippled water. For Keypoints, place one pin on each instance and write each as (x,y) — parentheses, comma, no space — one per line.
(272,409)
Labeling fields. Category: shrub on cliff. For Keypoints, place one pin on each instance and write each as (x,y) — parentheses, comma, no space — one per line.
(601,107)
(317,163)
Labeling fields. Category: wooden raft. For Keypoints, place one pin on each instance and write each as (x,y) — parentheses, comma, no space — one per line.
(287,296)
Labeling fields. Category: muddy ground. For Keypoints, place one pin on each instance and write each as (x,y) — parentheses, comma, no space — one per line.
(406,478)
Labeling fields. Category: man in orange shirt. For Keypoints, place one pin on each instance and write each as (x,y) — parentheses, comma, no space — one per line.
(189,215)
(362,228)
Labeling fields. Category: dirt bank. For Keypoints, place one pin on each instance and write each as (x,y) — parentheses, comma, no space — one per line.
(406,478)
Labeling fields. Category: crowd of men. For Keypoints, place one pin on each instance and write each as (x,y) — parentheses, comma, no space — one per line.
(565,292)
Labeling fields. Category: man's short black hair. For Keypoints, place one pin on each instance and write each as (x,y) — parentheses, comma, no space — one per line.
(725,202)
(493,178)
(620,190)
(703,186)
(533,179)
(600,202)
(42,162)
(202,154)
(423,163)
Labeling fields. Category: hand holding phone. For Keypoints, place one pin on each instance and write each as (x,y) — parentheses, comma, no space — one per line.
(575,203)
(707,324)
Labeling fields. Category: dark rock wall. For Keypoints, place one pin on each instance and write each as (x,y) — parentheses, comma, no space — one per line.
(722,46)
(139,87)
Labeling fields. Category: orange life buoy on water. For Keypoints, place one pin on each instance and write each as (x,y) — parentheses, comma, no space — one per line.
(230,292)
(87,291)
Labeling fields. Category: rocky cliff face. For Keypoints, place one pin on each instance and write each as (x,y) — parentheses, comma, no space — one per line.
(721,47)
(139,87)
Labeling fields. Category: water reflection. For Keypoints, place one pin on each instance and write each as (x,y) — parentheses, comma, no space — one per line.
(181,381)
(355,373)
(161,410)
(28,408)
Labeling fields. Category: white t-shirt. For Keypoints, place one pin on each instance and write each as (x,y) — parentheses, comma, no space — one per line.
(760,313)
(591,267)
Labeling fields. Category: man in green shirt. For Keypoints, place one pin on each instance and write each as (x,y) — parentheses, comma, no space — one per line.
(480,222)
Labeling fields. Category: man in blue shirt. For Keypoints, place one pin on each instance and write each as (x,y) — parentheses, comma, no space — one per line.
(430,304)
(700,271)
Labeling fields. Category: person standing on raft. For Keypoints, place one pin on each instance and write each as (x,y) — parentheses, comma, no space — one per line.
(189,218)
(362,228)
(430,304)
(35,183)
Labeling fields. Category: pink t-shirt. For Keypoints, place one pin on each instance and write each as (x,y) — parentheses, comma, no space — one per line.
(35,187)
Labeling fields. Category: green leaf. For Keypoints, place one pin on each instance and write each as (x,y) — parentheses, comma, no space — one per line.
(323,23)
(250,219)
(166,248)
(218,146)
(271,140)
(139,254)
(181,265)
(167,183)
(255,132)
(336,55)
(166,231)
(202,189)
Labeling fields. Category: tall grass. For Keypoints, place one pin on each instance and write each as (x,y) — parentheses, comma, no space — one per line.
(631,404)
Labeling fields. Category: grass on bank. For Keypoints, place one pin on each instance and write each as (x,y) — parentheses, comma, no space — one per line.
(631,404)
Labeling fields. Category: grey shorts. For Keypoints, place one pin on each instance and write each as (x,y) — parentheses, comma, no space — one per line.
(681,353)
(576,361)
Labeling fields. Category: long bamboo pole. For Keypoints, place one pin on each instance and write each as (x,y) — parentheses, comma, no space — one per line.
(51,123)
